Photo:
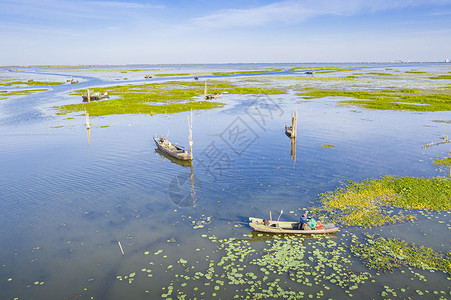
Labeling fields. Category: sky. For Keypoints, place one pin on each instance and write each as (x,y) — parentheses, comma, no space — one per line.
(73,32)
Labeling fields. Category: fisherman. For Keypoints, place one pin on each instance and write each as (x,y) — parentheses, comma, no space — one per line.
(303,222)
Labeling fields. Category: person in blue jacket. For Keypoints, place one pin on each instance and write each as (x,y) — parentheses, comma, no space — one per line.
(303,222)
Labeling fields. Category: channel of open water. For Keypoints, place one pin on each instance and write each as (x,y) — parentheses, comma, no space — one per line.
(66,202)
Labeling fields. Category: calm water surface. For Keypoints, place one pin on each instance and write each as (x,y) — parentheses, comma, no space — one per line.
(65,203)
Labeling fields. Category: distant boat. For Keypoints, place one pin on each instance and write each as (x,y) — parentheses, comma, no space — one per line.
(279,227)
(310,72)
(288,130)
(212,96)
(148,76)
(94,96)
(175,151)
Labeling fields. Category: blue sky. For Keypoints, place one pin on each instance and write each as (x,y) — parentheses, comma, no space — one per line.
(56,32)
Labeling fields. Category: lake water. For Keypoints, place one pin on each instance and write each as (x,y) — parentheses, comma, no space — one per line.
(66,202)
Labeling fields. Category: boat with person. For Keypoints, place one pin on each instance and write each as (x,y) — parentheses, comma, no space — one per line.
(94,96)
(282,227)
(173,150)
(288,130)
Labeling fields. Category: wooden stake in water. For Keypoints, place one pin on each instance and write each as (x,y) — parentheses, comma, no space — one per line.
(89,96)
(281,212)
(120,246)
(294,122)
(190,123)
(205,91)
(270,216)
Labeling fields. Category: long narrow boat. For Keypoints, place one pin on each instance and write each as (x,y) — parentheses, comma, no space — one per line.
(288,130)
(279,227)
(95,96)
(175,151)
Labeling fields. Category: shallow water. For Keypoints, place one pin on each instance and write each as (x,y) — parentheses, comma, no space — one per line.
(65,202)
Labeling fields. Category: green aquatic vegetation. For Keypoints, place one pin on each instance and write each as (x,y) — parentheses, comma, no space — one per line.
(116,107)
(420,193)
(288,268)
(380,74)
(158,98)
(172,74)
(403,99)
(327,146)
(23,92)
(307,78)
(443,76)
(32,83)
(337,70)
(415,72)
(203,221)
(387,254)
(249,72)
(442,121)
(362,203)
(445,161)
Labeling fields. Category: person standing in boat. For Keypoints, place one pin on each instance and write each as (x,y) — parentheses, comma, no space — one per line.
(303,222)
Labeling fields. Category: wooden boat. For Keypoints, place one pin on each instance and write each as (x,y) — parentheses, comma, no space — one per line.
(288,130)
(310,72)
(212,96)
(95,96)
(279,227)
(148,76)
(175,151)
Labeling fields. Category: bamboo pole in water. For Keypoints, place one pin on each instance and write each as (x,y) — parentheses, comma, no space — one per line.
(294,121)
(120,246)
(89,96)
(205,91)
(191,135)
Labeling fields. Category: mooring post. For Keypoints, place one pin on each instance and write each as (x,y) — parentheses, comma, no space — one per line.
(294,121)
(190,122)
(89,96)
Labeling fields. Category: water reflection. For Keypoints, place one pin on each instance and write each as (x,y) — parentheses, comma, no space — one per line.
(183,163)
(293,149)
(89,135)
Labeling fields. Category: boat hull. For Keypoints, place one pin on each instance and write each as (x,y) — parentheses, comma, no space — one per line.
(94,98)
(174,151)
(278,227)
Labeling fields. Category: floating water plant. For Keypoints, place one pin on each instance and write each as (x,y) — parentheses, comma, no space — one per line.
(327,146)
(387,254)
(444,76)
(32,83)
(445,161)
(362,203)
(19,93)
(140,99)
(403,99)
